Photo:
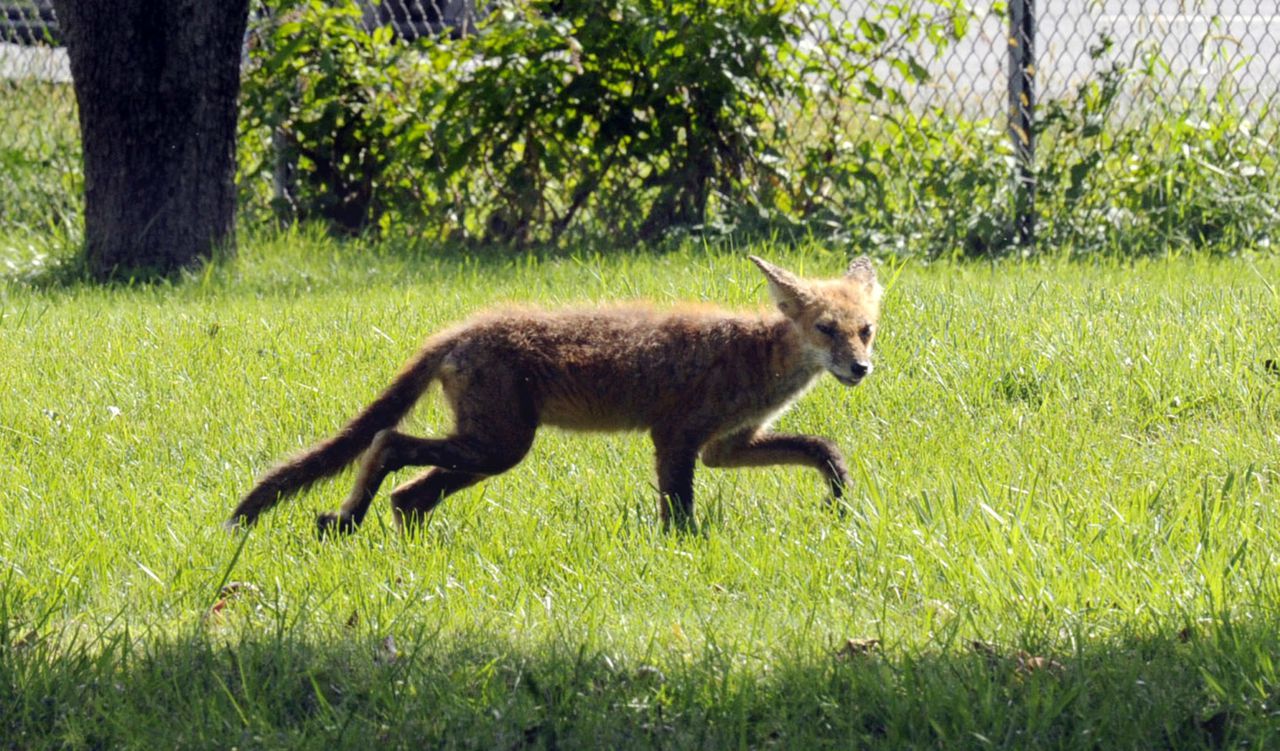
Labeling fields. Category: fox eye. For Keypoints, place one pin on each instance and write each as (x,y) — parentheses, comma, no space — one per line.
(826,328)
(864,333)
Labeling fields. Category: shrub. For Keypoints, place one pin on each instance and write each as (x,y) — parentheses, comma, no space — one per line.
(629,119)
(333,119)
(561,117)
(636,113)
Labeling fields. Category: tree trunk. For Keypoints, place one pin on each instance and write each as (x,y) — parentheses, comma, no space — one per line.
(157,82)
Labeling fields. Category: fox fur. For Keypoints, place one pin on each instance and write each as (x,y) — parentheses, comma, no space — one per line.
(703,382)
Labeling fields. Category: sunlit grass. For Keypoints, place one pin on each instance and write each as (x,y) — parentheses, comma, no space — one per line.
(1073,465)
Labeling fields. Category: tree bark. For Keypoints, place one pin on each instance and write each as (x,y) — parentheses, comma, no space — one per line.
(157,83)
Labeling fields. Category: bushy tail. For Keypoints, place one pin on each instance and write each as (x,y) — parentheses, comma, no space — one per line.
(332,455)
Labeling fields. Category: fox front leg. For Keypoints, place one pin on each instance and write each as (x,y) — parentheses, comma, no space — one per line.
(676,456)
(755,448)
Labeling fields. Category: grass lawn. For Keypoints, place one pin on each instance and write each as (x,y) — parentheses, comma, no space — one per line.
(1064,528)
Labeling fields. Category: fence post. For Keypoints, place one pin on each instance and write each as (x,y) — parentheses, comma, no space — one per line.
(1022,103)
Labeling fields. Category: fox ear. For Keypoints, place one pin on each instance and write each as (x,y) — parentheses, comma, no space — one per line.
(861,271)
(785,288)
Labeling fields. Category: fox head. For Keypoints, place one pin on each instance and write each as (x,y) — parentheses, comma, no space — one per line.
(836,319)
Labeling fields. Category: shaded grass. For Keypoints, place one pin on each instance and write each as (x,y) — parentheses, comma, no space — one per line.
(1062,461)
(41,177)
(480,692)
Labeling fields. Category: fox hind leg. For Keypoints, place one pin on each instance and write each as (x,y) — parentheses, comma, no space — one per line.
(481,456)
(412,501)
(494,425)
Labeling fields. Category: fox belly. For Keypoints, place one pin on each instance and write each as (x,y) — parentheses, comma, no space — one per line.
(582,415)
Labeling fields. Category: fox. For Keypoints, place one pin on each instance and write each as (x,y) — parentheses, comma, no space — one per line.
(704,382)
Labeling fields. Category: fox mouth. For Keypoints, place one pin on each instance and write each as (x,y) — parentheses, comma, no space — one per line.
(848,380)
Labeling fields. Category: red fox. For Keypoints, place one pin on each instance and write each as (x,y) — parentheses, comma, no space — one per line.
(703,382)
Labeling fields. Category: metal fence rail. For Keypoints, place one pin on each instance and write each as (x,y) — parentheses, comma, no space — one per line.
(1185,51)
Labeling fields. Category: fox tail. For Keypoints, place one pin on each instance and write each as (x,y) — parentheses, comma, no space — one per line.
(333,454)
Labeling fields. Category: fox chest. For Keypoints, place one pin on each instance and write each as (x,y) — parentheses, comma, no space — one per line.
(762,408)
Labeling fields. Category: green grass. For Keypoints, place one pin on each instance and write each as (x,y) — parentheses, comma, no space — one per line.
(1068,461)
(41,177)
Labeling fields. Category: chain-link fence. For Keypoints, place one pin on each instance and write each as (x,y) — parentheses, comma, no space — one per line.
(1155,71)
(1109,112)
(1189,88)
(1194,44)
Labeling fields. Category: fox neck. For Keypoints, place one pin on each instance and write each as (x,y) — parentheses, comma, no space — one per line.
(794,367)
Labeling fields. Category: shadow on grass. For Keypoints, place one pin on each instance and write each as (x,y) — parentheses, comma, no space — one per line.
(308,252)
(1208,690)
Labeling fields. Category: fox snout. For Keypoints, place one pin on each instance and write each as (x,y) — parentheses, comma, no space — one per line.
(852,374)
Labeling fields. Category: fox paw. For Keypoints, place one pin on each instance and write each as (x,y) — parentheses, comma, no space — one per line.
(334,525)
(837,505)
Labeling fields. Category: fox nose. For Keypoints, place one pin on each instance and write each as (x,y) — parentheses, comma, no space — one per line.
(859,369)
